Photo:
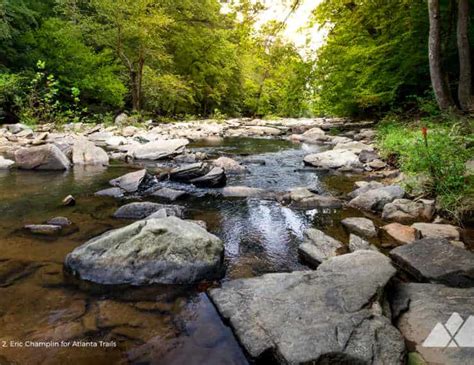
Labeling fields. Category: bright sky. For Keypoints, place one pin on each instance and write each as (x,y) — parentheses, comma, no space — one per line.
(276,10)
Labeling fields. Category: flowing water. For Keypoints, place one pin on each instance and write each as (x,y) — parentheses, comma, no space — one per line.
(160,325)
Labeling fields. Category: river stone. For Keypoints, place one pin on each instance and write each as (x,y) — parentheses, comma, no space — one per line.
(241,192)
(140,210)
(158,149)
(154,251)
(44,229)
(355,147)
(368,156)
(357,243)
(400,233)
(60,221)
(433,230)
(361,226)
(420,308)
(436,260)
(188,172)
(365,186)
(304,198)
(328,316)
(375,200)
(134,181)
(112,192)
(5,163)
(45,157)
(229,165)
(408,211)
(333,159)
(169,194)
(215,178)
(84,152)
(318,247)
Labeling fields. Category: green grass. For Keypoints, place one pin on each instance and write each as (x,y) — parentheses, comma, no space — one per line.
(435,165)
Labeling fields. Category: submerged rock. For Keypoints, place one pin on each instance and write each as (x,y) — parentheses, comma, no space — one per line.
(375,200)
(134,181)
(318,247)
(424,312)
(154,251)
(141,210)
(112,192)
(328,316)
(45,157)
(436,260)
(361,226)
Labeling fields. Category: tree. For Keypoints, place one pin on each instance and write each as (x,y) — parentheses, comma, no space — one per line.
(465,95)
(134,30)
(438,82)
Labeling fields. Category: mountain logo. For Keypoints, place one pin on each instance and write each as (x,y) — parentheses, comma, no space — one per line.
(455,333)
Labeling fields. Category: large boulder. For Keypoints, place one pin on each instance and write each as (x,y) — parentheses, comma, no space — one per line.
(303,198)
(328,316)
(135,181)
(333,159)
(318,247)
(141,210)
(375,200)
(154,251)
(84,152)
(408,211)
(45,157)
(360,226)
(189,172)
(424,315)
(158,149)
(436,260)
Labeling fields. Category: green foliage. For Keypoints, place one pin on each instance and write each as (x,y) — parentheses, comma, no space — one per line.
(437,163)
(11,94)
(376,53)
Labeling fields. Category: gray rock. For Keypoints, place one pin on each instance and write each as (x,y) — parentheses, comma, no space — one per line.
(419,308)
(45,157)
(154,251)
(188,172)
(377,164)
(140,210)
(59,221)
(134,181)
(44,229)
(333,159)
(364,186)
(408,211)
(361,226)
(241,192)
(318,247)
(216,178)
(5,163)
(328,316)
(368,156)
(375,200)
(111,192)
(169,194)
(355,147)
(84,152)
(356,244)
(121,119)
(158,150)
(229,165)
(304,198)
(437,261)
(432,230)
(16,128)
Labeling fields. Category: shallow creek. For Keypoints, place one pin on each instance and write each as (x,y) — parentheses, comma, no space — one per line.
(162,325)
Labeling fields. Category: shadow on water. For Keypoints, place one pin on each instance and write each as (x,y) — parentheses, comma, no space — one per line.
(39,302)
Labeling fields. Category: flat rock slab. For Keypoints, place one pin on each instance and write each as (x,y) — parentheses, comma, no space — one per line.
(141,210)
(361,226)
(376,199)
(327,316)
(333,159)
(318,247)
(433,230)
(155,251)
(436,260)
(158,150)
(422,307)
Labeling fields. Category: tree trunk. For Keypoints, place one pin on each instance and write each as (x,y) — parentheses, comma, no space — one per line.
(437,80)
(136,77)
(466,99)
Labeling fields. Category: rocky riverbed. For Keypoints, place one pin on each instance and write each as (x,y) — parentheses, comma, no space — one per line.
(287,241)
